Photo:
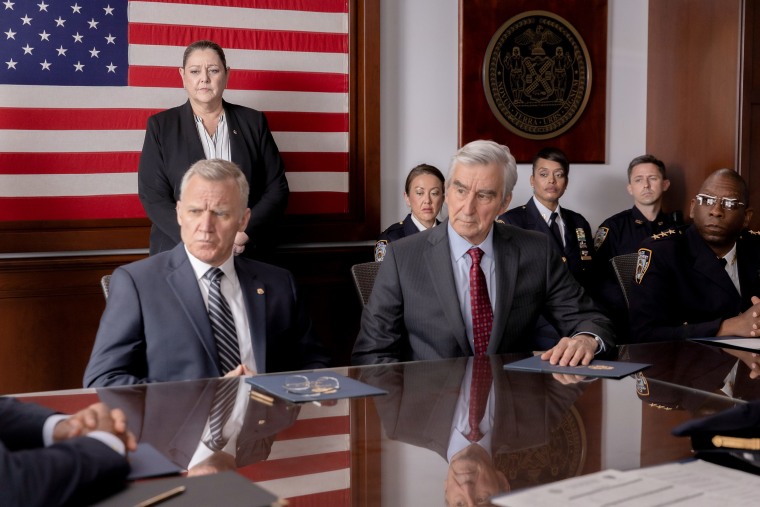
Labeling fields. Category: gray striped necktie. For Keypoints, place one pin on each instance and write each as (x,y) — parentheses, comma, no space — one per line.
(221,410)
(222,323)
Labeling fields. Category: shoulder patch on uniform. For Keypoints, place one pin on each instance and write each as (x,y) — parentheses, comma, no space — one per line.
(600,236)
(380,247)
(642,263)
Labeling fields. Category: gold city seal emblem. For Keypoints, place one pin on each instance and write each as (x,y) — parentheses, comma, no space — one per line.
(537,75)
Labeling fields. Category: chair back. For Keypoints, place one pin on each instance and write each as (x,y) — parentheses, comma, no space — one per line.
(364,278)
(625,269)
(104,283)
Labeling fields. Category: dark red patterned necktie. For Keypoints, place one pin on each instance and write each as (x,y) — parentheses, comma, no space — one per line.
(480,386)
(482,313)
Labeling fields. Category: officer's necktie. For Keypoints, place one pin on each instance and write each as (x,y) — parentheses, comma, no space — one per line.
(222,323)
(480,303)
(554,226)
(480,386)
(221,409)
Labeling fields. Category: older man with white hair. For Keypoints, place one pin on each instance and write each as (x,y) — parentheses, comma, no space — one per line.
(473,286)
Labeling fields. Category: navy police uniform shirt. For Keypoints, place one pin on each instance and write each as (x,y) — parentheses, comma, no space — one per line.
(577,250)
(396,231)
(681,290)
(620,234)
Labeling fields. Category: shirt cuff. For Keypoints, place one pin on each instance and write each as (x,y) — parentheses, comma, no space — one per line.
(108,439)
(600,347)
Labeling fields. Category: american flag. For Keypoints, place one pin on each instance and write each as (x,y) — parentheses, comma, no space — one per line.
(79,78)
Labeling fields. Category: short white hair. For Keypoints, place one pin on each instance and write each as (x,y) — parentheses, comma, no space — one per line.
(482,152)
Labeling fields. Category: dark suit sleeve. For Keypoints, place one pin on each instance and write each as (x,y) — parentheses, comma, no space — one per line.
(382,324)
(119,354)
(75,471)
(154,189)
(274,191)
(568,307)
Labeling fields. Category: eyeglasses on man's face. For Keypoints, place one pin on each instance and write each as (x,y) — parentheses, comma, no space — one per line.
(725,202)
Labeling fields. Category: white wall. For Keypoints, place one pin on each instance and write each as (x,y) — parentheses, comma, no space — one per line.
(419,97)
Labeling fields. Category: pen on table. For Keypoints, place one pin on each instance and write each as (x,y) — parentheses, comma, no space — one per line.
(262,398)
(161,497)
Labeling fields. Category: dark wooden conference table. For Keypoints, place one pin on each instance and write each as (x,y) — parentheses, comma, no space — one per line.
(392,449)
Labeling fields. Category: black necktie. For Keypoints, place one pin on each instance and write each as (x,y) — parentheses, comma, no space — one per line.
(554,226)
(222,323)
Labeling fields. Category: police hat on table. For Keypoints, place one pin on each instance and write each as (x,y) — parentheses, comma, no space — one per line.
(730,438)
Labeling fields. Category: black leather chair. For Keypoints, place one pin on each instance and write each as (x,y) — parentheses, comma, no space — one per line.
(364,278)
(625,269)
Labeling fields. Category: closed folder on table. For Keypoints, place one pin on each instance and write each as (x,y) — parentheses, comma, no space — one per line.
(597,368)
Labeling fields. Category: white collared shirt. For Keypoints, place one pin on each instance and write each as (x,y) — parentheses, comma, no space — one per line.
(461,262)
(231,290)
(216,145)
(546,214)
(732,269)
(420,226)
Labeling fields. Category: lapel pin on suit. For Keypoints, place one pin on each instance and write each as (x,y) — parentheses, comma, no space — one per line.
(234,132)
(259,291)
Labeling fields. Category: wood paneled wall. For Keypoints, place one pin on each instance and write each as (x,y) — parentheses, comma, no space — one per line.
(693,91)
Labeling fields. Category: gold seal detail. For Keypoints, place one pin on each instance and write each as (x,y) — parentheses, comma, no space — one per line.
(537,75)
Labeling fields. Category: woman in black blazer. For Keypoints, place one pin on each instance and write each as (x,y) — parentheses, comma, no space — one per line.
(423,193)
(206,126)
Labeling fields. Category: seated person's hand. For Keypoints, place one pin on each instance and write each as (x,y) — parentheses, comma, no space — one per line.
(579,349)
(751,359)
(96,417)
(745,324)
(240,370)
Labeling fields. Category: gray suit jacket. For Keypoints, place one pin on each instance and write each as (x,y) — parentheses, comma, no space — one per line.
(414,314)
(156,328)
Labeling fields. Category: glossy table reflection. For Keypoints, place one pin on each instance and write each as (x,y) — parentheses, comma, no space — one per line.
(392,449)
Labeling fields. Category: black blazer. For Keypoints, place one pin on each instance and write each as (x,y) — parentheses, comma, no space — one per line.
(172,145)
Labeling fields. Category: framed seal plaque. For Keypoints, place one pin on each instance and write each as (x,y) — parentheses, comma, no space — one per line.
(532,73)
(537,75)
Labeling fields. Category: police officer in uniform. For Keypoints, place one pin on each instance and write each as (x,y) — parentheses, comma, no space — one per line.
(543,213)
(701,280)
(423,193)
(623,232)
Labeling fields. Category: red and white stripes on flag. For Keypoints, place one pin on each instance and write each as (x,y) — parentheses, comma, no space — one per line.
(310,462)
(71,152)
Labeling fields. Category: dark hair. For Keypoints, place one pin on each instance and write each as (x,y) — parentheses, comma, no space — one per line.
(200,45)
(647,159)
(422,169)
(555,155)
(731,174)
